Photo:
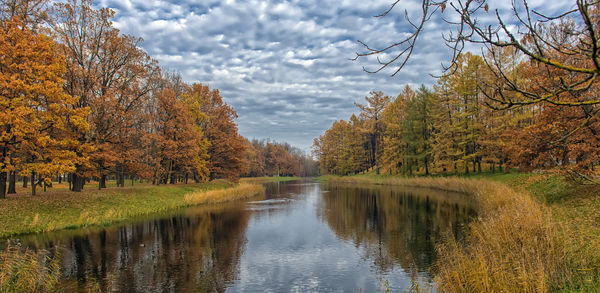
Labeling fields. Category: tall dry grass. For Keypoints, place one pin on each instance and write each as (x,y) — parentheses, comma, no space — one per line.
(244,190)
(511,246)
(24,270)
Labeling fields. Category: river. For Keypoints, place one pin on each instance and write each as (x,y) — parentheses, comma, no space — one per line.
(302,236)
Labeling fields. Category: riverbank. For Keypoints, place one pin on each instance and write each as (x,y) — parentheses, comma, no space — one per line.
(269,179)
(534,233)
(59,209)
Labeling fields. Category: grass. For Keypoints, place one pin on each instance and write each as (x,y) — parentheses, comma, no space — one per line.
(534,233)
(58,209)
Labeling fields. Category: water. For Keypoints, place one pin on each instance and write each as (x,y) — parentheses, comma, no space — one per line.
(301,236)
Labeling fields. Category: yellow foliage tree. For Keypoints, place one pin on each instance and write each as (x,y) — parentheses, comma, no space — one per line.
(37,116)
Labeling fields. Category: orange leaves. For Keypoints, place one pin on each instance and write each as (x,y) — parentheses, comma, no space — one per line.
(178,145)
(35,110)
(216,119)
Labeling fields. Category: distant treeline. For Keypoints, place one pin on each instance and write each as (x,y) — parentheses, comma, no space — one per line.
(266,158)
(78,97)
(455,128)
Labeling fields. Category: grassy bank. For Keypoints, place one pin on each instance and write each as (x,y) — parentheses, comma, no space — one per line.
(534,233)
(269,179)
(64,210)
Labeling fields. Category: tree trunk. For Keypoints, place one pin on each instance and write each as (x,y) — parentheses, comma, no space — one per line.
(12,182)
(102,182)
(77,183)
(25,180)
(33,185)
(2,185)
(121,177)
(169,174)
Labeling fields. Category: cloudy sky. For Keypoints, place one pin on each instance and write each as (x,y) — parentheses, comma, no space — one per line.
(283,65)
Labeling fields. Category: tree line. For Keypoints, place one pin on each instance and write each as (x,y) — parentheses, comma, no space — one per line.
(266,158)
(79,100)
(455,127)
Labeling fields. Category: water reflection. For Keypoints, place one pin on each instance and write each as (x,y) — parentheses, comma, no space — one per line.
(395,225)
(302,236)
(197,251)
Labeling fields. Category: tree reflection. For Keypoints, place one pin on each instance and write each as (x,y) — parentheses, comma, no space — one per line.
(394,225)
(195,251)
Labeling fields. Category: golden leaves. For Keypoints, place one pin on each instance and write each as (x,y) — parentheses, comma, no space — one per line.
(34,107)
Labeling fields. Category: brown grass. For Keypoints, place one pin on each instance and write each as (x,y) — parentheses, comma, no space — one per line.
(244,190)
(511,247)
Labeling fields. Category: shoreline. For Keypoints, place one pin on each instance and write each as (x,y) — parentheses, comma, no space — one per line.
(528,235)
(60,210)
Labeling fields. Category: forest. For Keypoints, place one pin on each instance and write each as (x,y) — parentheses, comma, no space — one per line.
(455,128)
(81,101)
(485,180)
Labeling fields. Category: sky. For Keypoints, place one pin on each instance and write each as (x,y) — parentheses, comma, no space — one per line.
(285,65)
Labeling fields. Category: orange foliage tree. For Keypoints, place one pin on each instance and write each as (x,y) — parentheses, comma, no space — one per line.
(113,77)
(37,117)
(178,148)
(216,119)
(266,158)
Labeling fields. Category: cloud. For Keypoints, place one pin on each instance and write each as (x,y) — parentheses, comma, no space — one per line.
(283,65)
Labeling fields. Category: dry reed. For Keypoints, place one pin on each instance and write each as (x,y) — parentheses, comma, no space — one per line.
(244,190)
(510,247)
(24,270)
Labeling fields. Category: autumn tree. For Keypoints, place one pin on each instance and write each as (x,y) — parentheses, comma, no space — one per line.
(255,158)
(457,114)
(417,128)
(552,135)
(563,47)
(327,148)
(112,76)
(178,147)
(394,147)
(270,158)
(31,13)
(372,113)
(355,145)
(542,39)
(216,119)
(344,148)
(38,117)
